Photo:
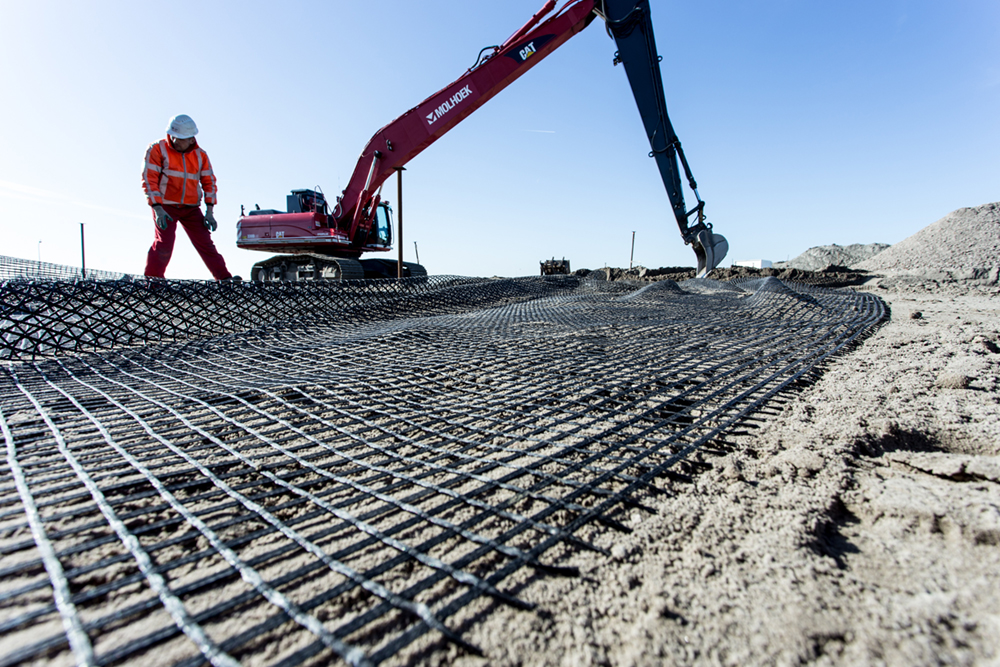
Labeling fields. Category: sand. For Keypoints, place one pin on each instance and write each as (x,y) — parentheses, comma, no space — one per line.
(962,246)
(819,257)
(856,523)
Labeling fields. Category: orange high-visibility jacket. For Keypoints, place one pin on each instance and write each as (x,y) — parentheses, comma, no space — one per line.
(175,178)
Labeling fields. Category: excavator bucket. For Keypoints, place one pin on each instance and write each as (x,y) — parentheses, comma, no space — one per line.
(710,249)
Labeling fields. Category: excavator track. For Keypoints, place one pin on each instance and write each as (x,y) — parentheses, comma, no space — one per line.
(415,270)
(306,267)
(376,269)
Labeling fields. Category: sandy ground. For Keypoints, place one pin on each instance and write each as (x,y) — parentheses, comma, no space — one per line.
(858,523)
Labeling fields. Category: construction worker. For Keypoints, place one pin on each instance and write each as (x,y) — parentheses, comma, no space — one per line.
(175,174)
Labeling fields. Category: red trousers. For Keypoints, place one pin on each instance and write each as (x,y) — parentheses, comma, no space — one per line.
(194,224)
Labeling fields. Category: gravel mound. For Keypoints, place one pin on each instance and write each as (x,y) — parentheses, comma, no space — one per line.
(820,257)
(962,246)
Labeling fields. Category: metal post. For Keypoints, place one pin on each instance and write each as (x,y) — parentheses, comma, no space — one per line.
(399,234)
(83,255)
(633,252)
(416,251)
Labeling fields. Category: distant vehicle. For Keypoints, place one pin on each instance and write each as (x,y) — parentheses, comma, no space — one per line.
(555,267)
(328,244)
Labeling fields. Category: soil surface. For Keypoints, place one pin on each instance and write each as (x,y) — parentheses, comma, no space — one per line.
(858,523)
(829,276)
(854,521)
(820,257)
(962,246)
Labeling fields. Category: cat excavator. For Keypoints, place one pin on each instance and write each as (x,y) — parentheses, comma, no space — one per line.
(320,240)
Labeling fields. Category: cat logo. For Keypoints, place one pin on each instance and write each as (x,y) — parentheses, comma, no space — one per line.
(522,52)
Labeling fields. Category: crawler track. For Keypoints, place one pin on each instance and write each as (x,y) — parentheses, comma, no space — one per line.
(278,474)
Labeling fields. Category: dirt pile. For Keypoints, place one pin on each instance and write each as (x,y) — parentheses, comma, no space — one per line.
(829,276)
(640,273)
(821,257)
(962,246)
(958,254)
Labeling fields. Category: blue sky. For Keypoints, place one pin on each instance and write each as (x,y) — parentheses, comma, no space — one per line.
(805,123)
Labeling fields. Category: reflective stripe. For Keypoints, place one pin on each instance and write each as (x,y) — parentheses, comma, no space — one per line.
(200,153)
(168,183)
(207,181)
(150,179)
(184,183)
(164,179)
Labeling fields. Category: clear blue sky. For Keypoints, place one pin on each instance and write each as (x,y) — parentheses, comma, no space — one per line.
(805,122)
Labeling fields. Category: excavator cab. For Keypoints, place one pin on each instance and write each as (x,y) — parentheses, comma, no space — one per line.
(381,232)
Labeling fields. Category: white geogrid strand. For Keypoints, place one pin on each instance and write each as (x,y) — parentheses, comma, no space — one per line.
(372,389)
(435,563)
(551,530)
(351,654)
(171,603)
(418,609)
(78,640)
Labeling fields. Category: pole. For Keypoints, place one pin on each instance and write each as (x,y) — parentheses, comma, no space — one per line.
(399,234)
(416,251)
(83,255)
(633,252)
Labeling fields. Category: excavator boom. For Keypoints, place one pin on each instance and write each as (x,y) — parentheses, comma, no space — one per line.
(353,226)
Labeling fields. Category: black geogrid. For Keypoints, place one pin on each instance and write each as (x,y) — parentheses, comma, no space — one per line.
(362,466)
(15,268)
(48,317)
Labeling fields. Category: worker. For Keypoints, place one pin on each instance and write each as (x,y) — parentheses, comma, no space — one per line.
(176,173)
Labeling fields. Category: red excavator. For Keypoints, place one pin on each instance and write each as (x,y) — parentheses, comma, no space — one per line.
(320,243)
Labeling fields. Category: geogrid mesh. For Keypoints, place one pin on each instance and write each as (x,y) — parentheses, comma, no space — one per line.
(337,484)
(13,268)
(47,317)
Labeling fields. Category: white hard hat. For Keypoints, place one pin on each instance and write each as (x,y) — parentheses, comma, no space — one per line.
(182,127)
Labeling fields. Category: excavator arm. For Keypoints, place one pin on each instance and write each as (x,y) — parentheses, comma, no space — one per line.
(346,231)
(630,25)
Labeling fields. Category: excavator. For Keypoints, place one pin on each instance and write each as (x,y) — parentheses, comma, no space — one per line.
(320,241)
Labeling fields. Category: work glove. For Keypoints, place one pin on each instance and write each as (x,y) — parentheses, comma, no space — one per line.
(162,218)
(210,222)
